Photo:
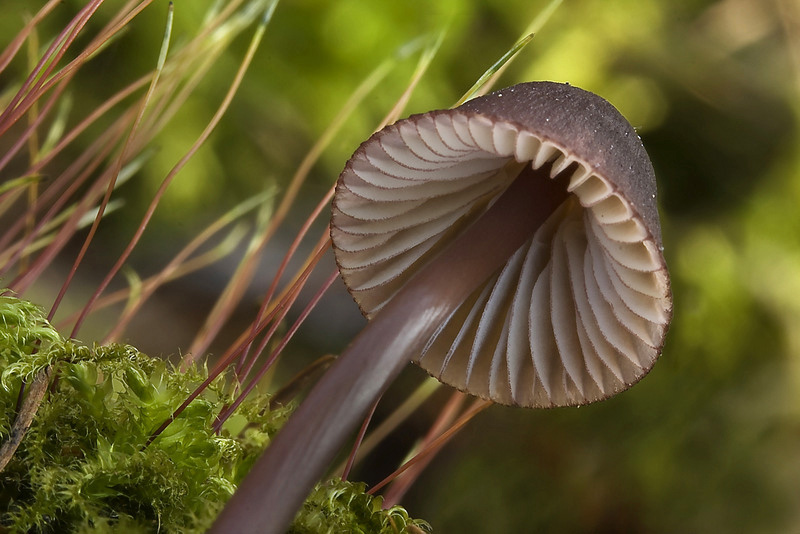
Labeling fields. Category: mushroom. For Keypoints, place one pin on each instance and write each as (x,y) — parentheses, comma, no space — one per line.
(510,246)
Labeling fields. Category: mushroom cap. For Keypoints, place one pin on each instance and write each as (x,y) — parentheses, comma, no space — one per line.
(580,311)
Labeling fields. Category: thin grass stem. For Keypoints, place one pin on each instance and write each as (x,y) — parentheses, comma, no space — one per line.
(31,88)
(351,458)
(42,86)
(181,264)
(243,341)
(13,47)
(417,398)
(403,482)
(493,73)
(284,263)
(174,171)
(277,351)
(116,169)
(434,446)
(223,307)
(294,289)
(88,162)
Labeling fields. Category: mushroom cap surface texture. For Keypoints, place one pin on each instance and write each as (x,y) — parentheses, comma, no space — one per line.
(580,311)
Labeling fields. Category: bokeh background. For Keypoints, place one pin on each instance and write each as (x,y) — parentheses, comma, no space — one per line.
(710,440)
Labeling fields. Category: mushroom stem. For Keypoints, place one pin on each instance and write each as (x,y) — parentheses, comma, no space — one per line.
(269,496)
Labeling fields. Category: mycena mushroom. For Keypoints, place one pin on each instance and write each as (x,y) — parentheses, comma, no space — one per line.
(510,246)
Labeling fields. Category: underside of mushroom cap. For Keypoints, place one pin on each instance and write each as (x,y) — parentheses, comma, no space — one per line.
(580,311)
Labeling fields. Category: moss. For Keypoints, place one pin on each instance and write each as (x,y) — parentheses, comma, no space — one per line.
(83,465)
(340,506)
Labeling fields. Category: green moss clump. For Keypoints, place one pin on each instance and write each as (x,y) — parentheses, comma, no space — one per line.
(83,465)
(339,506)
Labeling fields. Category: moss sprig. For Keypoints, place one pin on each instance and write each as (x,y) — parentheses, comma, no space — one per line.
(27,341)
(340,506)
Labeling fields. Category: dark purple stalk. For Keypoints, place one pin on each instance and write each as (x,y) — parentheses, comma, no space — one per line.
(280,480)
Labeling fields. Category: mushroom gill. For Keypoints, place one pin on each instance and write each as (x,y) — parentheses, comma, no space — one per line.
(576,314)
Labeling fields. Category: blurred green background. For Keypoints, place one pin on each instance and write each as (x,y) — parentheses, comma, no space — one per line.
(710,440)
